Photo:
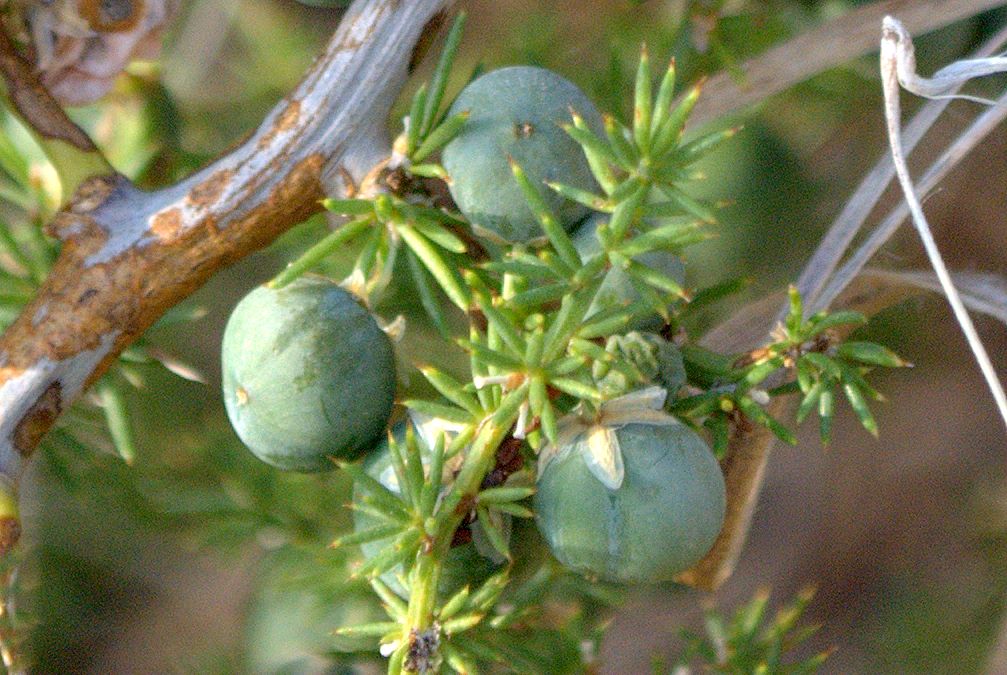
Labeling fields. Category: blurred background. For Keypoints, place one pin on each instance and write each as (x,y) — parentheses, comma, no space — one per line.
(159,567)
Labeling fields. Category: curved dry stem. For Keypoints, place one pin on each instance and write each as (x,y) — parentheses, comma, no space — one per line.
(843,230)
(744,470)
(981,292)
(981,127)
(894,54)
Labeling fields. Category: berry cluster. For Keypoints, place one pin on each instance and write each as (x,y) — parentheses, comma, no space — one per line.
(587,407)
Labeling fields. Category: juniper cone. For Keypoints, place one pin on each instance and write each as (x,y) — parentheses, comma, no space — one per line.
(516,113)
(308,375)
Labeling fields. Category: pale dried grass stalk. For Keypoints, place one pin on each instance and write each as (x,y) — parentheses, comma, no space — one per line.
(898,67)
(955,152)
(745,466)
(816,274)
(981,292)
(832,44)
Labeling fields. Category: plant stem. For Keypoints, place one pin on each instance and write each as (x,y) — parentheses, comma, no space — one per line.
(478,463)
(480,459)
(423,591)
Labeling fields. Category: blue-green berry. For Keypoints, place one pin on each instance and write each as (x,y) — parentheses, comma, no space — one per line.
(308,375)
(662,518)
(517,112)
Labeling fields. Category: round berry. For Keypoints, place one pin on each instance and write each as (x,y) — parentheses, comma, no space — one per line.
(308,375)
(517,112)
(663,516)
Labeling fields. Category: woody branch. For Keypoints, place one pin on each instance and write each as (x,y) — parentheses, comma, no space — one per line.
(129,255)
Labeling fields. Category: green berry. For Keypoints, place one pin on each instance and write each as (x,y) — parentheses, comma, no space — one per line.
(308,375)
(662,518)
(517,112)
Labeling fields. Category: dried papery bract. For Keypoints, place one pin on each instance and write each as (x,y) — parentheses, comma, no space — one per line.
(82,47)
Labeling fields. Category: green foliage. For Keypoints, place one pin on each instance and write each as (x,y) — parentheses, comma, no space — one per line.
(549,338)
(544,355)
(427,130)
(819,361)
(750,642)
(617,288)
(469,562)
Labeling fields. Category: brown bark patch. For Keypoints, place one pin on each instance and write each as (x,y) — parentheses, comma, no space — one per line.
(10,534)
(287,120)
(74,221)
(126,294)
(290,202)
(39,418)
(69,227)
(166,224)
(208,192)
(93,192)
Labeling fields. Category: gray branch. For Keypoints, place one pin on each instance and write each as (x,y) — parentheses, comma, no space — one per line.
(130,255)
